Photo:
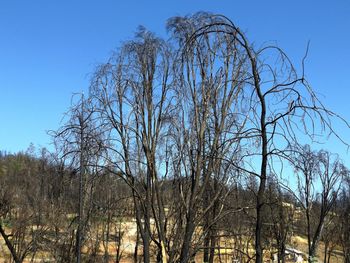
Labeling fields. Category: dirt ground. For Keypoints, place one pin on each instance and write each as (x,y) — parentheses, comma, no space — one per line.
(128,241)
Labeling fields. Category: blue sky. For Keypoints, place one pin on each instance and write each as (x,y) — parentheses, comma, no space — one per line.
(48,49)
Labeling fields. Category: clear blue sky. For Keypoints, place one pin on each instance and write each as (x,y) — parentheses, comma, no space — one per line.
(49,48)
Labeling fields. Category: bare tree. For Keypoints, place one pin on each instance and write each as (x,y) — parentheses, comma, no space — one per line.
(277,103)
(24,204)
(280,213)
(207,145)
(344,218)
(133,94)
(5,206)
(79,143)
(319,179)
(182,123)
(331,236)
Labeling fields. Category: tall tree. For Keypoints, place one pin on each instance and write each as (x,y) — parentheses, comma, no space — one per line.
(270,96)
(134,98)
(207,147)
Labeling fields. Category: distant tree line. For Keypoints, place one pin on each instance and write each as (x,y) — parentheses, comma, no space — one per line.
(193,139)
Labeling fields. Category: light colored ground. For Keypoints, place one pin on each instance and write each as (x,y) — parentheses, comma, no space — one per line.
(128,241)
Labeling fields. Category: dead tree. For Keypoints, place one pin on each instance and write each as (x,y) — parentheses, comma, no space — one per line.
(280,213)
(276,101)
(210,118)
(319,177)
(9,245)
(344,219)
(78,142)
(134,98)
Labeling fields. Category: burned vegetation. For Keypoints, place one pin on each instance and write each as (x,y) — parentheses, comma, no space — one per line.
(182,152)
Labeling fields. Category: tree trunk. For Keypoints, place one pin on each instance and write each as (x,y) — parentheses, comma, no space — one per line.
(263,168)
(315,240)
(136,244)
(212,247)
(206,226)
(144,232)
(326,243)
(10,246)
(81,183)
(281,253)
(146,247)
(213,231)
(206,248)
(185,249)
(347,257)
(119,237)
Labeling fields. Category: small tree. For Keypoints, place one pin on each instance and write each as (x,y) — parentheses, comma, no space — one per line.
(344,218)
(280,213)
(319,177)
(79,143)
